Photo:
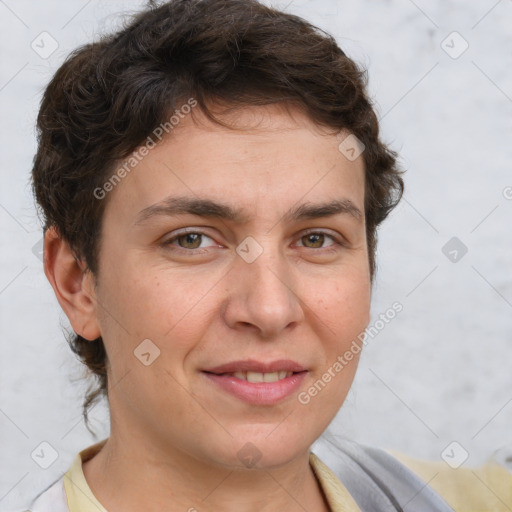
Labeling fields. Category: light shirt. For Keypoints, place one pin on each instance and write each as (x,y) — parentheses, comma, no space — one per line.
(486,489)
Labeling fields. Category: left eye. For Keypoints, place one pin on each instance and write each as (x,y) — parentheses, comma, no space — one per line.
(317,240)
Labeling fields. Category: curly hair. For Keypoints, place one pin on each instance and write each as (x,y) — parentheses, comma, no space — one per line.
(109,95)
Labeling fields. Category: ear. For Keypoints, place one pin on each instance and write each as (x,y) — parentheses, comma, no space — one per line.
(73,286)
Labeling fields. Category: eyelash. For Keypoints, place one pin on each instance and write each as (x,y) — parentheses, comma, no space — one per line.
(337,243)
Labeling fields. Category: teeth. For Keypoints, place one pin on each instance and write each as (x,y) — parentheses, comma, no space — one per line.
(256,377)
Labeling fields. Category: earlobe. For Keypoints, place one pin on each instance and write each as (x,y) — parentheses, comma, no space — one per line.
(71,284)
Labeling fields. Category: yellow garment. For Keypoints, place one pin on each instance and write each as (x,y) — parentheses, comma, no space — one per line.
(486,489)
(337,496)
(79,495)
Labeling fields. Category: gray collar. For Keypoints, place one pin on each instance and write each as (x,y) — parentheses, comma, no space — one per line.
(376,480)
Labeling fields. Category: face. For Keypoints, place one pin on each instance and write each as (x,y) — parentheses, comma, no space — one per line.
(228,258)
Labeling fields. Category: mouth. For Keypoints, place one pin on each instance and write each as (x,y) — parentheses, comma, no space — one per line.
(256,377)
(254,366)
(258,383)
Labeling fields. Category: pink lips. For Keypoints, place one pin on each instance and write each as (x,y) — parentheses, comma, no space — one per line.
(257,393)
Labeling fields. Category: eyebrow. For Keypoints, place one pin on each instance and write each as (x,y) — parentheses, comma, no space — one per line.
(211,209)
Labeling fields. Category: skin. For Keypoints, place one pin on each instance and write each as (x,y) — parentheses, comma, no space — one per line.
(175,435)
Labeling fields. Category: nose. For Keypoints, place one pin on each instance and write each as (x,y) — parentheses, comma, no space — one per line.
(262,295)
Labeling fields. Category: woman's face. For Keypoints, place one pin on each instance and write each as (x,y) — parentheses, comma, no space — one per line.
(225,252)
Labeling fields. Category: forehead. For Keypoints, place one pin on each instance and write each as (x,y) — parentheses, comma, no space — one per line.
(271,157)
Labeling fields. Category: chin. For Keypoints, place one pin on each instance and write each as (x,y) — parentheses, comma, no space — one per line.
(261,448)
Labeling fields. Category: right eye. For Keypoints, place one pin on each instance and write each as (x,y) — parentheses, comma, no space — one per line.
(188,241)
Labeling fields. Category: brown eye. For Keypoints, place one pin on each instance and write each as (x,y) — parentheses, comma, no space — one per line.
(189,240)
(319,240)
(315,239)
(189,243)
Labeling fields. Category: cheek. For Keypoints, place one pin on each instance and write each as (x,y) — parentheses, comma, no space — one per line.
(344,308)
(345,311)
(152,301)
(345,304)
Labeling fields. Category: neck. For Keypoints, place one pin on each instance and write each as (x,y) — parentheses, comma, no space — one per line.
(131,476)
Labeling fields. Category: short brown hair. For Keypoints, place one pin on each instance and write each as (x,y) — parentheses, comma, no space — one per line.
(109,96)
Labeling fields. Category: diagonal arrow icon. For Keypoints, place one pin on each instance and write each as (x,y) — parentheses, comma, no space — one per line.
(249,249)
(147,352)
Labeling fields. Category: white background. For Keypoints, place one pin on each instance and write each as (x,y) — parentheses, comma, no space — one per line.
(442,369)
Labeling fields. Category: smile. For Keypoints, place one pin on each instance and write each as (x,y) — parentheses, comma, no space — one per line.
(262,377)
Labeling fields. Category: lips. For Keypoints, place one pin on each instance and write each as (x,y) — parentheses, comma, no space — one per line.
(256,382)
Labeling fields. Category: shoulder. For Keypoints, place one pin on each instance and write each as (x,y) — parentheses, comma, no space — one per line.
(52,499)
(485,487)
(70,491)
(376,480)
(388,480)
